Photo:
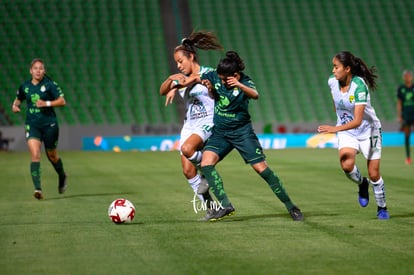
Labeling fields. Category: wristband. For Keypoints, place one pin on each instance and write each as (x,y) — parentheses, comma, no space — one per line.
(48,103)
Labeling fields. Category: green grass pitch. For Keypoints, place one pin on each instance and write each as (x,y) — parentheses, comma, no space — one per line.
(72,234)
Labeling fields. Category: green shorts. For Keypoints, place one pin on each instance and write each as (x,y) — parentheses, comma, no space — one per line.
(243,139)
(48,134)
(407,123)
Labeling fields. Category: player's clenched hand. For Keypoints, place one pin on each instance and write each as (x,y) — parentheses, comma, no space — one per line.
(169,97)
(41,103)
(327,129)
(15,108)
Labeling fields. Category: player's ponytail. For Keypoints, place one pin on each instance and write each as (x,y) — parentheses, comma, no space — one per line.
(358,68)
(203,40)
(230,64)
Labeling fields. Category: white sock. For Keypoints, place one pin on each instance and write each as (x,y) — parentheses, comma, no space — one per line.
(379,192)
(195,183)
(355,175)
(196,158)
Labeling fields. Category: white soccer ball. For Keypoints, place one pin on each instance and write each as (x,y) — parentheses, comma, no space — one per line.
(121,210)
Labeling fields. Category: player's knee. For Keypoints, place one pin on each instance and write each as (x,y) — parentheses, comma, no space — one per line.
(347,165)
(187,150)
(52,156)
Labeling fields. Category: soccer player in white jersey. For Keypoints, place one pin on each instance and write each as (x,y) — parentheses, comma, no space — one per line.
(358,127)
(198,122)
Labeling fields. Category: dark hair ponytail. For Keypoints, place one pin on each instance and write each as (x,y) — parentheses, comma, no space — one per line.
(203,40)
(358,68)
(230,64)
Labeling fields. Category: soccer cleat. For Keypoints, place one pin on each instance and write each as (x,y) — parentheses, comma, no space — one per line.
(408,161)
(203,187)
(363,195)
(62,184)
(296,214)
(383,214)
(209,213)
(216,215)
(38,194)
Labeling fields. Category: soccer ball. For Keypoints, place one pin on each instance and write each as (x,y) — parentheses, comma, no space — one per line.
(121,210)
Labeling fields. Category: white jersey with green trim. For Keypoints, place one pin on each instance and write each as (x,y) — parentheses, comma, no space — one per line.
(357,94)
(199,104)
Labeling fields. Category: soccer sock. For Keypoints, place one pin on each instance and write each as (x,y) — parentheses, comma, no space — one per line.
(216,184)
(407,146)
(196,158)
(379,192)
(355,175)
(35,172)
(277,187)
(58,167)
(194,183)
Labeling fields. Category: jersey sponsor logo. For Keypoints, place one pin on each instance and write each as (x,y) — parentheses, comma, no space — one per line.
(345,118)
(223,102)
(43,89)
(351,99)
(341,105)
(197,110)
(26,90)
(362,96)
(34,98)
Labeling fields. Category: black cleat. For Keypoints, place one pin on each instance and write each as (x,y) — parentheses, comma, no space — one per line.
(62,184)
(216,215)
(363,195)
(296,214)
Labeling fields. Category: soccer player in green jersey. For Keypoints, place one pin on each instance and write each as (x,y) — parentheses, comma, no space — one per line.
(358,127)
(232,90)
(405,109)
(41,95)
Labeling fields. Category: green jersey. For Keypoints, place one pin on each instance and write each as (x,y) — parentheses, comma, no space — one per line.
(406,95)
(231,108)
(44,90)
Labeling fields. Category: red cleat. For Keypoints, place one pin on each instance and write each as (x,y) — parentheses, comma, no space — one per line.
(408,161)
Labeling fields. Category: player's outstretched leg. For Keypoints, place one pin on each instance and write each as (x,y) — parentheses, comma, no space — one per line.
(277,187)
(62,184)
(363,184)
(35,173)
(216,185)
(407,148)
(379,192)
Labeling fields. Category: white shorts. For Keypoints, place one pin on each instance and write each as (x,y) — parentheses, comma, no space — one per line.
(202,129)
(370,147)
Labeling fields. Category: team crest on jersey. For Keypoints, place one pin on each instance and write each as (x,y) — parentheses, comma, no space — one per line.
(43,89)
(351,99)
(236,91)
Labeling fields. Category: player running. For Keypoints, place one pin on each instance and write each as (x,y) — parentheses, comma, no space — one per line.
(198,121)
(232,90)
(405,109)
(358,127)
(41,95)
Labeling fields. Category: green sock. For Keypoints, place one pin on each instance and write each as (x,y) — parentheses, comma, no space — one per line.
(276,185)
(216,184)
(35,172)
(407,146)
(59,167)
